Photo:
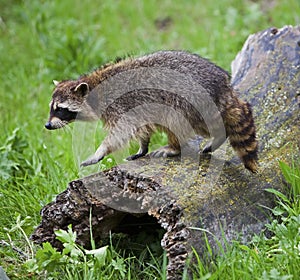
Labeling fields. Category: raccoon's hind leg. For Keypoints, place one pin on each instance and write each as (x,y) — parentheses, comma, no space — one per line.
(242,134)
(214,144)
(143,135)
(166,151)
(171,150)
(143,150)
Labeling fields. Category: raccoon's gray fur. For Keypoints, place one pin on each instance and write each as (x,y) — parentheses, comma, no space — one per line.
(72,100)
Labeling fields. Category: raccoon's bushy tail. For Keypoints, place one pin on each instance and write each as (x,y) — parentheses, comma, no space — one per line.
(242,133)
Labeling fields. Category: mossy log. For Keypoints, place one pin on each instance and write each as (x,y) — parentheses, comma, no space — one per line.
(191,198)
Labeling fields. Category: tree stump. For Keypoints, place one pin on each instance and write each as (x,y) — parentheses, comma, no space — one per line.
(191,198)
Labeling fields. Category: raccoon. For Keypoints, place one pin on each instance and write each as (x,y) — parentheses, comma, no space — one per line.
(74,100)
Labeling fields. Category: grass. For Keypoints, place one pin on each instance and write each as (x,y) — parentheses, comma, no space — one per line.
(46,40)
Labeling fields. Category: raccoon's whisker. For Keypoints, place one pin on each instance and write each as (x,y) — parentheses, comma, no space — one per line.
(62,124)
(67,129)
(59,125)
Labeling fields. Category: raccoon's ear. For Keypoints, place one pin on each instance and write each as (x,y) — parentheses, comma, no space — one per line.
(55,82)
(82,89)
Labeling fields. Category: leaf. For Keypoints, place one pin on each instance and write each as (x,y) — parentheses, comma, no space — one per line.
(286,171)
(72,249)
(244,247)
(119,265)
(279,194)
(48,258)
(291,175)
(277,211)
(99,254)
(66,236)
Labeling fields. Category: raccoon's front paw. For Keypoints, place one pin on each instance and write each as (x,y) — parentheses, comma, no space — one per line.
(90,161)
(165,151)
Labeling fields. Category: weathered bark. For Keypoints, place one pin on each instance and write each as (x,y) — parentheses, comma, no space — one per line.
(187,198)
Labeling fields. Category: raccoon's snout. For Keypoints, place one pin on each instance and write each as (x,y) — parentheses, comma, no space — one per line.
(55,123)
(49,126)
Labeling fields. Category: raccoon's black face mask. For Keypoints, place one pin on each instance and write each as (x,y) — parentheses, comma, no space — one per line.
(59,117)
(65,104)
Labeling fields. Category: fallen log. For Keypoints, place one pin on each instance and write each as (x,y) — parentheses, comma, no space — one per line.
(193,198)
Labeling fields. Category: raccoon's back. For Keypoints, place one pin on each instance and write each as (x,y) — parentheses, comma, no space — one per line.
(210,76)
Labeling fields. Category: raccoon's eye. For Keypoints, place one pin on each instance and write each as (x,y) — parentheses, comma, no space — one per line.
(58,109)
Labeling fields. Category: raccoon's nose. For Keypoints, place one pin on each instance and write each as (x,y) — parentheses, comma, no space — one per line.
(48,125)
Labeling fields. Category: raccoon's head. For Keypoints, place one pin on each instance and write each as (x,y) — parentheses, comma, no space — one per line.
(67,103)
